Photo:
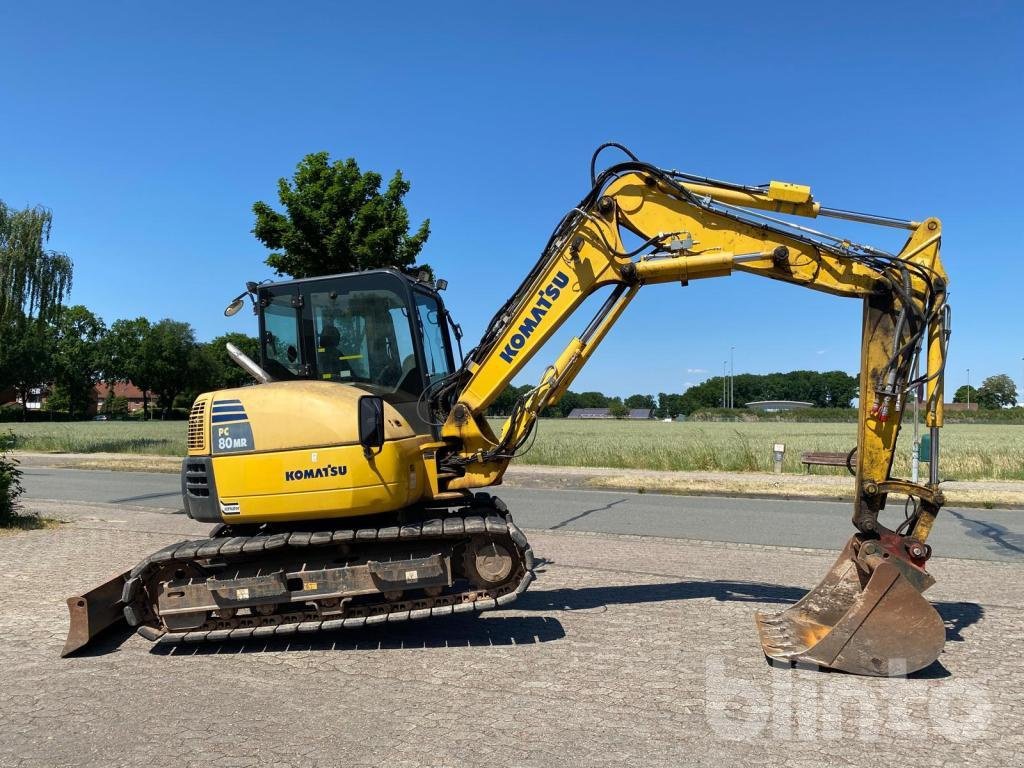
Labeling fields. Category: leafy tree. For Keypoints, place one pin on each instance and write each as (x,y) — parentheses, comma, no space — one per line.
(116,407)
(618,409)
(570,400)
(962,392)
(27,353)
(33,280)
(640,401)
(707,394)
(77,357)
(336,219)
(832,389)
(166,363)
(503,403)
(593,400)
(997,391)
(33,284)
(205,373)
(123,356)
(225,372)
(670,406)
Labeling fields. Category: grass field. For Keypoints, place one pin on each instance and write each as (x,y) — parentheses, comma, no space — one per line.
(969,451)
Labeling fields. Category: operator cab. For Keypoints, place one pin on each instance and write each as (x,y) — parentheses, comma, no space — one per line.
(380,331)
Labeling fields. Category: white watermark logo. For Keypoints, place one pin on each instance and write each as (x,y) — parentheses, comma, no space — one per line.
(804,704)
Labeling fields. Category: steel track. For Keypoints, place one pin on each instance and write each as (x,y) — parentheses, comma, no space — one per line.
(140,600)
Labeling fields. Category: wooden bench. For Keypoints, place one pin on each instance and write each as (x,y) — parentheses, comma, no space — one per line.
(828,459)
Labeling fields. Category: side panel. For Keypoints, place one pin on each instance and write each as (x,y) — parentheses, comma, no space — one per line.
(319,483)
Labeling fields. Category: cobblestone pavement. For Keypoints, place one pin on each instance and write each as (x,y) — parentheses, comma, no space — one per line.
(626,651)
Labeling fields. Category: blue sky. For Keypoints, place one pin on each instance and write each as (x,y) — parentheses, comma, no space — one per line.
(151,131)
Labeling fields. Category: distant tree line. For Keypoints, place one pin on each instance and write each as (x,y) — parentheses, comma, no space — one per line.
(75,351)
(570,400)
(833,389)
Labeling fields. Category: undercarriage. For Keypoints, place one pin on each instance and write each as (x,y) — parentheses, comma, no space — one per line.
(273,582)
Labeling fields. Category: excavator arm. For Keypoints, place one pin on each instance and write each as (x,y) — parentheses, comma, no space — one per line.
(689,228)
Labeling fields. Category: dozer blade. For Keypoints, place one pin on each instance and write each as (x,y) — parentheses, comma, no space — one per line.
(865,617)
(93,612)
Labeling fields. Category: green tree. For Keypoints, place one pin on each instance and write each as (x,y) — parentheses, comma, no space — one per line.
(593,400)
(225,372)
(618,409)
(77,357)
(123,356)
(832,389)
(997,391)
(116,407)
(27,352)
(205,373)
(33,280)
(707,394)
(166,364)
(570,400)
(640,401)
(503,403)
(962,392)
(336,219)
(670,406)
(33,284)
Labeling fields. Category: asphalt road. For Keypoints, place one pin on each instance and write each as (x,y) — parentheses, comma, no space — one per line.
(980,534)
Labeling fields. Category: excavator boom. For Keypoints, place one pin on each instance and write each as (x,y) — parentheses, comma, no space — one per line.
(867,615)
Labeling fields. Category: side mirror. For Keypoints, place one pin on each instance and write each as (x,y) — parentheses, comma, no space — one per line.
(234,306)
(371,424)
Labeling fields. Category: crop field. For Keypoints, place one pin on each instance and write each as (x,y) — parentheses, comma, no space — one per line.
(969,451)
(154,438)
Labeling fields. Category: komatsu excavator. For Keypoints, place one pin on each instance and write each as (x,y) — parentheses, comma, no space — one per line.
(344,484)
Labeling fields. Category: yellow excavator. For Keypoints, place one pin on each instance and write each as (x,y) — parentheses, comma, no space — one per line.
(344,484)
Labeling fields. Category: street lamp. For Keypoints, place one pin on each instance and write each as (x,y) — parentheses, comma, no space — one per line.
(724,385)
(968,389)
(732,378)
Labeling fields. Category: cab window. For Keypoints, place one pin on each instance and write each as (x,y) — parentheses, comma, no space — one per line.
(363,337)
(282,350)
(435,351)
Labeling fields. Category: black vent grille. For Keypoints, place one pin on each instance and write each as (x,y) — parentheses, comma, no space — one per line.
(197,479)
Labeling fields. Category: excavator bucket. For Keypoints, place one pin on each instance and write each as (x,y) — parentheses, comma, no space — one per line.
(92,613)
(866,617)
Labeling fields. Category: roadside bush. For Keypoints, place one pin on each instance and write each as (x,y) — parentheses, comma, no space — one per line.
(10,481)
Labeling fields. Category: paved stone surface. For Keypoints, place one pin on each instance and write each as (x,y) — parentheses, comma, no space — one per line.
(981,534)
(627,651)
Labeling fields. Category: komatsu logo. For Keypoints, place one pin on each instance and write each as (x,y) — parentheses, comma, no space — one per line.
(330,470)
(535,316)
